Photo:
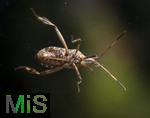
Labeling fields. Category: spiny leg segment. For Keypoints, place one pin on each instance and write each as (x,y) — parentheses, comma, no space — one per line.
(48,22)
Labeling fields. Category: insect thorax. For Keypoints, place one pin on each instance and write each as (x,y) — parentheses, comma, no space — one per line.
(56,56)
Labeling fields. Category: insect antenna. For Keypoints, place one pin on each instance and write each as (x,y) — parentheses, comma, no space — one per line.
(109,73)
(112,44)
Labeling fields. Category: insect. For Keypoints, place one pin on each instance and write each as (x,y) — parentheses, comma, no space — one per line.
(57,58)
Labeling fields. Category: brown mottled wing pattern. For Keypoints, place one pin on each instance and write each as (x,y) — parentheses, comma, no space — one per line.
(51,56)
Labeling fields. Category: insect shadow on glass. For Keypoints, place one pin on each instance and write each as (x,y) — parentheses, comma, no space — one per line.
(56,58)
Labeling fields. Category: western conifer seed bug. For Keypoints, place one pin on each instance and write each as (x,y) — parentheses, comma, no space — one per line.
(57,58)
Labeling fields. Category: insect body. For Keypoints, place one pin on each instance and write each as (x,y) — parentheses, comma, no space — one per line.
(56,58)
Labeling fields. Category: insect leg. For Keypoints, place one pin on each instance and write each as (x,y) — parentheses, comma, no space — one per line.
(79,77)
(48,22)
(109,73)
(112,44)
(28,69)
(50,71)
(35,72)
(78,41)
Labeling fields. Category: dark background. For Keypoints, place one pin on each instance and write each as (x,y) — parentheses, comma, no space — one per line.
(97,22)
